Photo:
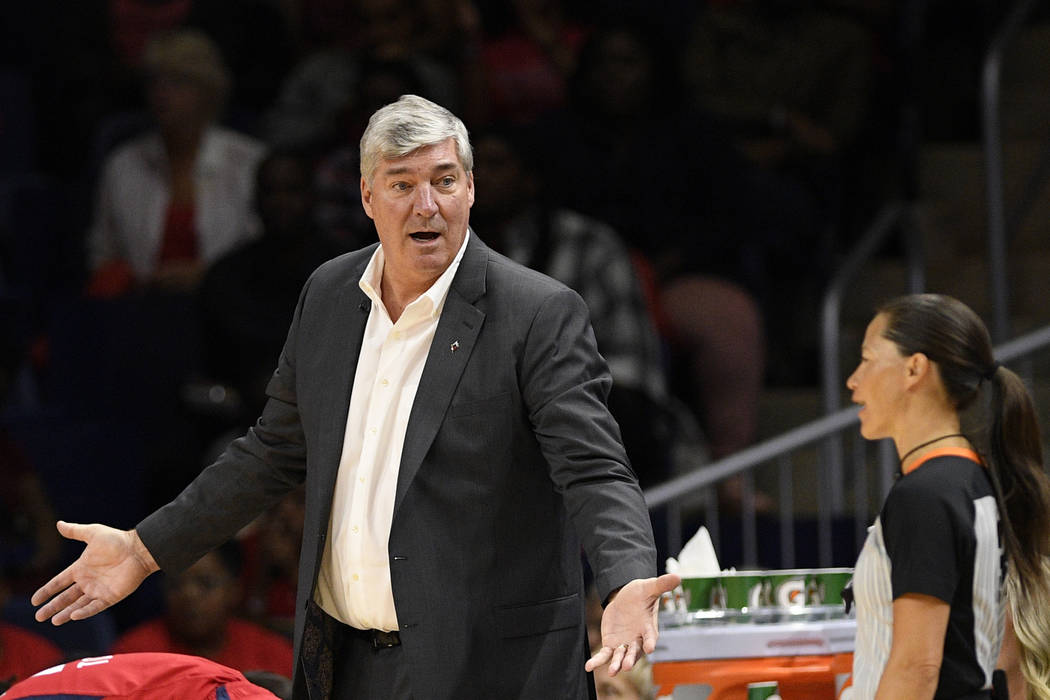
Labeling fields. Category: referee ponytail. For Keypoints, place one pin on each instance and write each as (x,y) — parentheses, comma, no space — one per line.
(1015,458)
(997,415)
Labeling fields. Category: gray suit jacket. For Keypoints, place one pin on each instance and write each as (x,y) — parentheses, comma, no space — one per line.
(511,462)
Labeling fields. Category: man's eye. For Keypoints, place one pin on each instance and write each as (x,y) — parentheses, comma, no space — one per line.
(447,181)
(400,186)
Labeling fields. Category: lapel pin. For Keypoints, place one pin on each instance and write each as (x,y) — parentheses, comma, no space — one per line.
(454,346)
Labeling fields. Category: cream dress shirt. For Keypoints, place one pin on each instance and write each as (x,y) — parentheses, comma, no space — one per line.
(353,585)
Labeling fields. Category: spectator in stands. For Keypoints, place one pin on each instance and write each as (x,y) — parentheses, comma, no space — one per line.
(248,296)
(22,653)
(695,226)
(175,199)
(29,546)
(588,256)
(199,619)
(523,53)
(148,676)
(789,80)
(271,568)
(132,23)
(789,83)
(257,40)
(319,95)
(338,173)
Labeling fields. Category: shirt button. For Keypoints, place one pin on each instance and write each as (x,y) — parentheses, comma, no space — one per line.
(397,335)
(372,430)
(361,479)
(355,577)
(385,382)
(355,529)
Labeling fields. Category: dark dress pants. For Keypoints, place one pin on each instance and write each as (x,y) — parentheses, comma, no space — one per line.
(361,671)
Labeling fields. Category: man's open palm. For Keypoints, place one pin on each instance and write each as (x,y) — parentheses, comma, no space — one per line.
(112,565)
(629,623)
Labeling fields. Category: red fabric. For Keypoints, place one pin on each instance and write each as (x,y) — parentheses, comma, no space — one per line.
(651,292)
(23,653)
(180,234)
(139,677)
(249,647)
(111,280)
(271,598)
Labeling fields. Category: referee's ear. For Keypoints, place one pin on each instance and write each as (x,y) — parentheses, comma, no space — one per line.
(918,368)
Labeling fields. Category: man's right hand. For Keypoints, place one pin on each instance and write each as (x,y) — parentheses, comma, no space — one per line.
(112,565)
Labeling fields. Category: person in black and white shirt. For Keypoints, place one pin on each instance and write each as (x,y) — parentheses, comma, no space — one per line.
(928,582)
(937,535)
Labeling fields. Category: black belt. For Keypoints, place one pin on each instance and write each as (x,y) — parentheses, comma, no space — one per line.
(377,638)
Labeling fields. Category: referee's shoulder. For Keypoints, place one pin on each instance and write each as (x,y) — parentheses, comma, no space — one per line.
(941,479)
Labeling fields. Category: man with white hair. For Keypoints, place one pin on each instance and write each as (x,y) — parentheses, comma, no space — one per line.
(446,409)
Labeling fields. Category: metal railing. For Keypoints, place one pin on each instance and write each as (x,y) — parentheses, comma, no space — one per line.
(778,451)
(992,139)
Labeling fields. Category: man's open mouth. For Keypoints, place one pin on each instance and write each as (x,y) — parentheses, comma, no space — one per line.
(425,235)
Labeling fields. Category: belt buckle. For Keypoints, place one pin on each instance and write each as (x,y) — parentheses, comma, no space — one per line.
(384,640)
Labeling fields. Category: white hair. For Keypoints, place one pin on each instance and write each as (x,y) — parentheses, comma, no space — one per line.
(406,125)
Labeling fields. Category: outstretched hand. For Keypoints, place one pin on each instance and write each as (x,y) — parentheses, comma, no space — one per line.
(112,565)
(629,623)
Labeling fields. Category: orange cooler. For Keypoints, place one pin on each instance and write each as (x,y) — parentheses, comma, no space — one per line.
(809,660)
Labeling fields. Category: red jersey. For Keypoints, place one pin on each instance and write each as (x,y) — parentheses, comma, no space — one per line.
(149,676)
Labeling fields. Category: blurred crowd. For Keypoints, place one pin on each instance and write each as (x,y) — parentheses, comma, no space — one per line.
(173,170)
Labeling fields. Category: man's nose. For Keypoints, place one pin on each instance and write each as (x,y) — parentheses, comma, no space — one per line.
(425,204)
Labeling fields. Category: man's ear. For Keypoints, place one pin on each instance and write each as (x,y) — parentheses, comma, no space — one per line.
(366,198)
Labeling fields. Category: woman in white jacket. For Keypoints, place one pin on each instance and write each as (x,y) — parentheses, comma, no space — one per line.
(178,197)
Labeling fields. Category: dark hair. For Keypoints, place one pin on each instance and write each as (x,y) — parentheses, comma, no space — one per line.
(1004,431)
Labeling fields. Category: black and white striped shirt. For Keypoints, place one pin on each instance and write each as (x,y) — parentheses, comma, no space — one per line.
(937,535)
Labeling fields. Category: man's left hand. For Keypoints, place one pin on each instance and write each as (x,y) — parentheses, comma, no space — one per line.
(629,623)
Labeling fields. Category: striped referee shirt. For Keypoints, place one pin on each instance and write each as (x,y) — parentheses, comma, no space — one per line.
(937,535)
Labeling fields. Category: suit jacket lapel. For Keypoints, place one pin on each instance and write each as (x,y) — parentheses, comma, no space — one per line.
(450,350)
(346,334)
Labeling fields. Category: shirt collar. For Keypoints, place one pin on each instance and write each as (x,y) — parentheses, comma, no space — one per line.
(964,452)
(429,302)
